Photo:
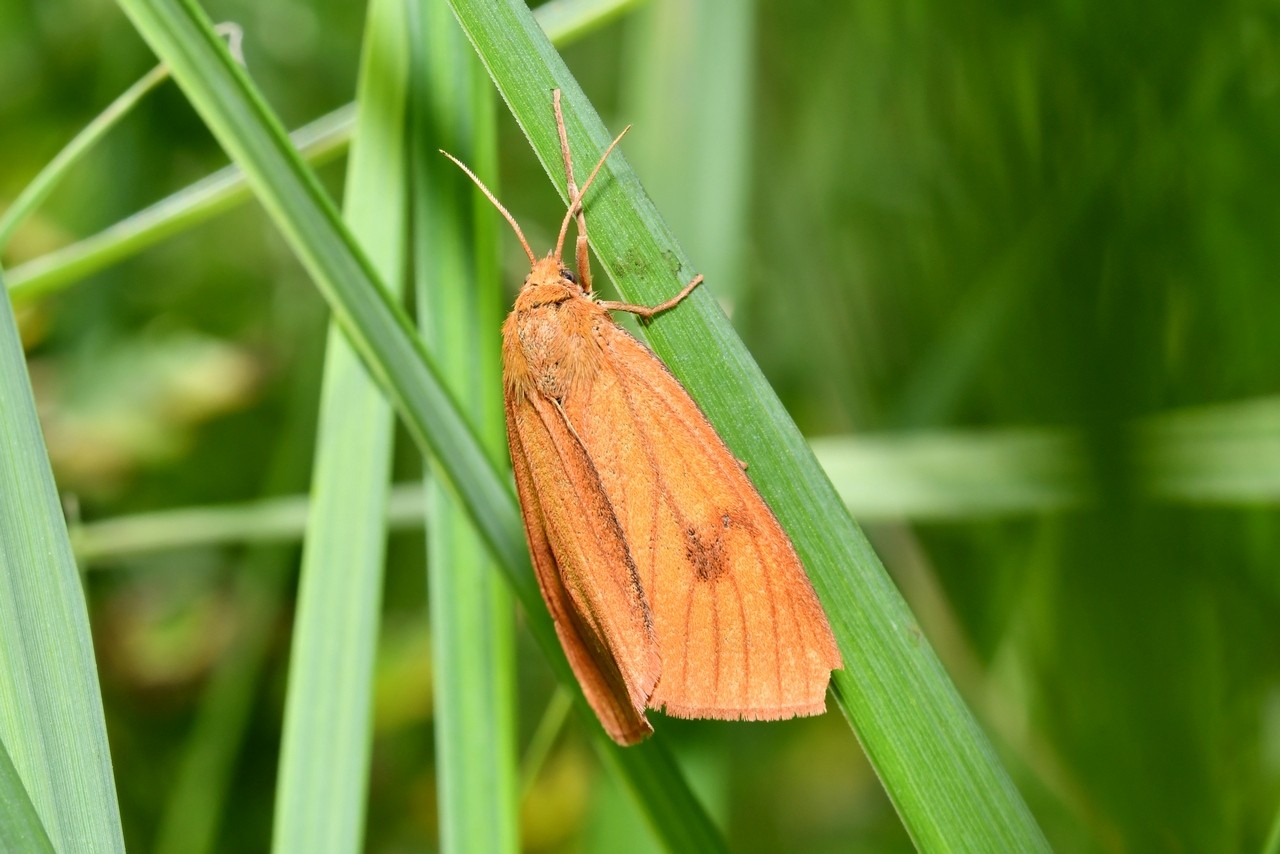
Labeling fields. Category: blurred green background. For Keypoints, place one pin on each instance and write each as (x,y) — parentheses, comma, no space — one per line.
(1013,266)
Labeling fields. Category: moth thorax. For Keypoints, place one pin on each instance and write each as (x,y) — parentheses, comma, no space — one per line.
(553,347)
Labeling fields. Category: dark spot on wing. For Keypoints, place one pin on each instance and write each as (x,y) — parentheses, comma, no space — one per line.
(704,547)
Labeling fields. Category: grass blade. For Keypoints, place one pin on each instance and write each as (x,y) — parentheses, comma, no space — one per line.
(319,142)
(565,21)
(44,183)
(382,335)
(50,703)
(703,187)
(936,764)
(1227,454)
(955,474)
(459,300)
(324,765)
(1220,454)
(20,827)
(195,809)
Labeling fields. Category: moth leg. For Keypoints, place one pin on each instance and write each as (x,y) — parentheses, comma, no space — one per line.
(583,257)
(645,312)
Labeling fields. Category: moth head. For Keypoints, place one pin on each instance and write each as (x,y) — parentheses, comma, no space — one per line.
(549,271)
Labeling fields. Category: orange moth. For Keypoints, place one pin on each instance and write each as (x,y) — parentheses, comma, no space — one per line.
(671,584)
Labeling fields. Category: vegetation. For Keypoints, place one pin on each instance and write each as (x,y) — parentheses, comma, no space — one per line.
(1009,271)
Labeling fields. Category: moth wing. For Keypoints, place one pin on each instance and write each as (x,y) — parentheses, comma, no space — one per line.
(739,628)
(586,575)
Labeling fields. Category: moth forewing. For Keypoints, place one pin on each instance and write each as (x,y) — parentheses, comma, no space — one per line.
(740,631)
(617,701)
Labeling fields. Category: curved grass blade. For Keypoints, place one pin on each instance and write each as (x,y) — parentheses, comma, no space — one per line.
(935,762)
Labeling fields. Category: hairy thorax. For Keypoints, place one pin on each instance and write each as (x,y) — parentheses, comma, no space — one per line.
(548,340)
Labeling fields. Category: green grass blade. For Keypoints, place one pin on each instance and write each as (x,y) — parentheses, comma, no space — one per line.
(565,21)
(195,807)
(324,765)
(318,142)
(383,336)
(1272,843)
(20,827)
(956,474)
(703,187)
(259,520)
(1221,454)
(459,302)
(1227,454)
(197,811)
(544,737)
(43,184)
(50,703)
(935,762)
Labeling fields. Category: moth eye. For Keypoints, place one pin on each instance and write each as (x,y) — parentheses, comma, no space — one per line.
(568,274)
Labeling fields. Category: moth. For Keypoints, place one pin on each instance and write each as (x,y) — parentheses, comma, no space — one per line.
(671,584)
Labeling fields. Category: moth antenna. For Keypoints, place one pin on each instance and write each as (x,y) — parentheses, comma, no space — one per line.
(533,259)
(564,144)
(576,202)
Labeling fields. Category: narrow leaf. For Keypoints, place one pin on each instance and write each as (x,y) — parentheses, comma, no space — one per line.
(324,765)
(459,300)
(44,183)
(50,704)
(20,827)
